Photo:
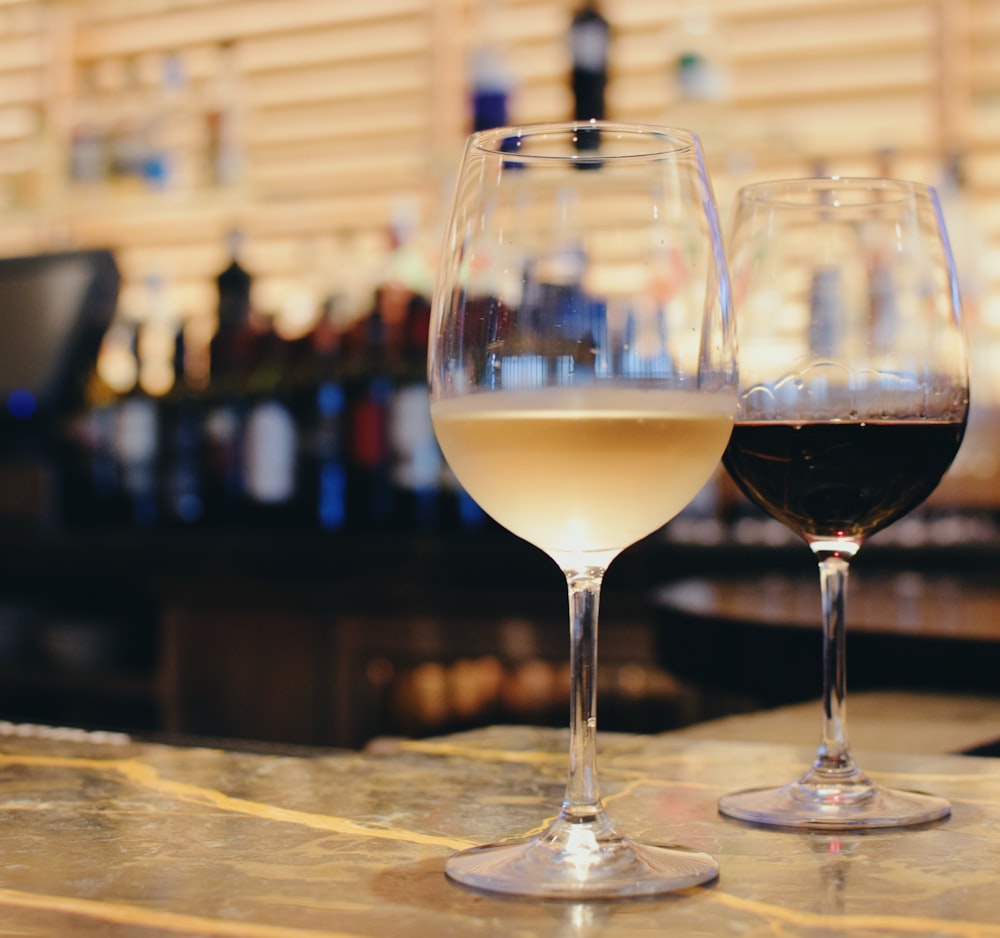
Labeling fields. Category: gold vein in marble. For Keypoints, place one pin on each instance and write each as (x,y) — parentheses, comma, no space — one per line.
(483,754)
(147,777)
(536,757)
(894,924)
(178,922)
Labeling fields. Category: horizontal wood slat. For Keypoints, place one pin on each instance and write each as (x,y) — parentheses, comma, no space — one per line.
(351,82)
(175,25)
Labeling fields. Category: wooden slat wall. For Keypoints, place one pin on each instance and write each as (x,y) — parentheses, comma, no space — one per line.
(351,110)
(336,102)
(980,109)
(23,73)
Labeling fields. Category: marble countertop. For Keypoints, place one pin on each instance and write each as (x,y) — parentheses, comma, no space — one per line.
(106,836)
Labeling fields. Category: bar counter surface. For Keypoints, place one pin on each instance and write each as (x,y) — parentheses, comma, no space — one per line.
(103,835)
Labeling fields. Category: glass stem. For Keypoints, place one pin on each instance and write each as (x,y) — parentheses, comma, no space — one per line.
(834,761)
(582,799)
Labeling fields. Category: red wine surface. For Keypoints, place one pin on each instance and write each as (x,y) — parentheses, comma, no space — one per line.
(840,480)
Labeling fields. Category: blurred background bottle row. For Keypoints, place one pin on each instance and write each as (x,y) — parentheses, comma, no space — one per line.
(166,131)
(303,419)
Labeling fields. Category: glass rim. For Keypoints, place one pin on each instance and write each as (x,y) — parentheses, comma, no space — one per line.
(504,142)
(791,193)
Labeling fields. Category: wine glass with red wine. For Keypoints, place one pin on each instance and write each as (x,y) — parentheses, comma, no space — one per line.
(854,395)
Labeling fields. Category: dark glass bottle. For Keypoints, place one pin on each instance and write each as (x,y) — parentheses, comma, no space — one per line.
(589,40)
(490,83)
(92,493)
(322,410)
(331,474)
(183,484)
(416,456)
(231,352)
(270,437)
(137,445)
(369,399)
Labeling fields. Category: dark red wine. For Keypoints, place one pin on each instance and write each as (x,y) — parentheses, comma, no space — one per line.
(840,480)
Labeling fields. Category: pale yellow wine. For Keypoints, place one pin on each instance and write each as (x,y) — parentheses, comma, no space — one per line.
(588,469)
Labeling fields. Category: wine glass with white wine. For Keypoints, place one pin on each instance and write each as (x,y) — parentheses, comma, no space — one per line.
(582,386)
(854,393)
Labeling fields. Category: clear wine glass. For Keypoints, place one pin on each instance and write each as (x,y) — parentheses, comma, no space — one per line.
(853,401)
(583,386)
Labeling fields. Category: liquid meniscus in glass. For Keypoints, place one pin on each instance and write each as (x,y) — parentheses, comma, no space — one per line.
(841,479)
(583,469)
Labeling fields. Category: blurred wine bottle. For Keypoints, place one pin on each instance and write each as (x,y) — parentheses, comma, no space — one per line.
(826,312)
(183,420)
(491,81)
(224,121)
(589,42)
(270,434)
(699,61)
(167,129)
(229,351)
(137,447)
(94,495)
(417,462)
(324,474)
(369,395)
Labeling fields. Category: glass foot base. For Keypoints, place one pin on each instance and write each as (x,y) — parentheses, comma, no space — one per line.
(589,869)
(803,806)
